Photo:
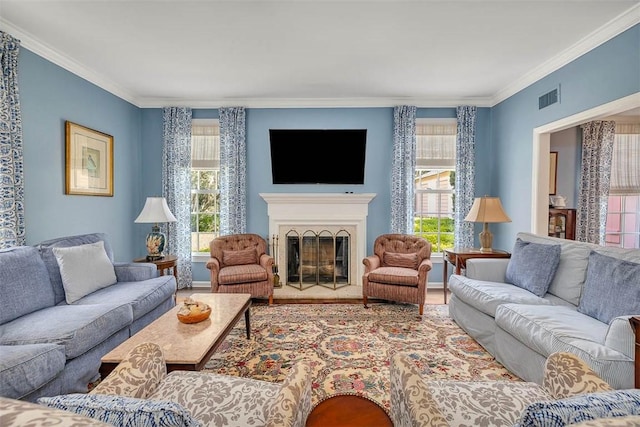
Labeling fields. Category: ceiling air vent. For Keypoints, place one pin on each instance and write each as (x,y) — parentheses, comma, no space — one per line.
(548,98)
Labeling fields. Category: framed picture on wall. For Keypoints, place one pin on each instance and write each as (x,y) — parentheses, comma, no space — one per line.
(553,172)
(88,161)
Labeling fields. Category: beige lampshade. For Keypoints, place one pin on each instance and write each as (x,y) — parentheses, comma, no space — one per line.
(487,209)
(155,210)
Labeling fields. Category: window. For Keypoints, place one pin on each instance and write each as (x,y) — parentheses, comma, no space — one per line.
(205,178)
(623,213)
(434,181)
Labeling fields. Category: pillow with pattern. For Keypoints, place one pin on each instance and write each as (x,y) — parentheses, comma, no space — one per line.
(123,411)
(583,407)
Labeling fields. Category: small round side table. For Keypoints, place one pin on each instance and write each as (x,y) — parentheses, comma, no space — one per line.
(168,262)
(348,410)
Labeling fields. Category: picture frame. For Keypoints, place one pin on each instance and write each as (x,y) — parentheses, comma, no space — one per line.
(553,172)
(88,161)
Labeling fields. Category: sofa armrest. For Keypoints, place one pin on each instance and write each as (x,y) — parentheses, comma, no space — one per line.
(138,375)
(135,271)
(292,404)
(412,403)
(566,375)
(620,336)
(487,269)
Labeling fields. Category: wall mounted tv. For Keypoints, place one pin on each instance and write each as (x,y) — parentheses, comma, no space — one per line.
(318,156)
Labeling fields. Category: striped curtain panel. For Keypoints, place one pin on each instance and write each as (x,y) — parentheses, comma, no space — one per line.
(593,197)
(12,227)
(403,169)
(233,171)
(176,188)
(465,175)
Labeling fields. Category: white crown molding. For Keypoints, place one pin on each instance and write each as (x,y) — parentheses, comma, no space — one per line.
(608,31)
(317,102)
(41,49)
(614,27)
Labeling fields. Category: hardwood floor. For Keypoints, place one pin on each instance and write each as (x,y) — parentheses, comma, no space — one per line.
(434,296)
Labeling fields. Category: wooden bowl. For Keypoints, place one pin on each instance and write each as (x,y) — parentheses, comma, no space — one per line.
(195,317)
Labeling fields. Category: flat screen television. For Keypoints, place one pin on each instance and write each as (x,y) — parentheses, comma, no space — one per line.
(318,156)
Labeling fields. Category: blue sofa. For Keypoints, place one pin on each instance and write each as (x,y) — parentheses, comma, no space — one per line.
(522,329)
(49,347)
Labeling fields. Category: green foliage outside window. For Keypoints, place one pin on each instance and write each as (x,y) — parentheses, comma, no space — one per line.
(428,228)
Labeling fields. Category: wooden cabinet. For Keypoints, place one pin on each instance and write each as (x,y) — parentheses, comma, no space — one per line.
(562,223)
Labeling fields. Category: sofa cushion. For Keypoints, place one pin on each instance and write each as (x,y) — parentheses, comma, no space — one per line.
(611,288)
(240,257)
(143,296)
(549,329)
(237,401)
(50,262)
(584,407)
(487,296)
(395,259)
(122,411)
(78,328)
(532,266)
(24,283)
(25,368)
(248,273)
(84,269)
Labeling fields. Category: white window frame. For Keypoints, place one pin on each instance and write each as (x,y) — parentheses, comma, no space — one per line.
(437,192)
(202,256)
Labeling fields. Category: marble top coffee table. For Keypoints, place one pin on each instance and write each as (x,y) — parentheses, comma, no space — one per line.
(187,347)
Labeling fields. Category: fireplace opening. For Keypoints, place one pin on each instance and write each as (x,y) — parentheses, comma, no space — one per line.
(317,259)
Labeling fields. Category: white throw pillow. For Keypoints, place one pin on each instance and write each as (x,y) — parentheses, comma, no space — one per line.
(84,269)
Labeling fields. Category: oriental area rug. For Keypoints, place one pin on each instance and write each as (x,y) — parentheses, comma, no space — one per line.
(350,347)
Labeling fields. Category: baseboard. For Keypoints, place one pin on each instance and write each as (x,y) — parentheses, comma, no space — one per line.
(207,285)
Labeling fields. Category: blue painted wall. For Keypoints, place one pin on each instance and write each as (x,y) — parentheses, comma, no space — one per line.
(608,72)
(49,96)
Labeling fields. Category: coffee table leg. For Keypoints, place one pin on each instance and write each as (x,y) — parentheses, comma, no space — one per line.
(247,321)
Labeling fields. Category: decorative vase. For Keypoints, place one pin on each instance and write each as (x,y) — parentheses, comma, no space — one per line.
(155,244)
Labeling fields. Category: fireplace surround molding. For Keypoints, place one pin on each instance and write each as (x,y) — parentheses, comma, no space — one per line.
(318,211)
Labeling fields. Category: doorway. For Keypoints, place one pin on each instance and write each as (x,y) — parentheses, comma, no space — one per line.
(541,156)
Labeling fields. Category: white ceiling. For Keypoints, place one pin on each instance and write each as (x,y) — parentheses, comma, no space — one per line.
(212,53)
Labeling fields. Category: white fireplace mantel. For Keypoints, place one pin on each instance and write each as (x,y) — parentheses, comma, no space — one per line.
(318,210)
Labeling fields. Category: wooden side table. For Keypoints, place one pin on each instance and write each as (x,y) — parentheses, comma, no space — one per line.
(458,257)
(635,325)
(168,262)
(348,410)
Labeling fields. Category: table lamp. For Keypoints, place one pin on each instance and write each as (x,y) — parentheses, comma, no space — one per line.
(486,209)
(155,210)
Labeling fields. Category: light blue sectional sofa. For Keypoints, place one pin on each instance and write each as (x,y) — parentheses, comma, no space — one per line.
(584,310)
(49,347)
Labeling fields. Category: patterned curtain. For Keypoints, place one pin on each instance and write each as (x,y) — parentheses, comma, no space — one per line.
(465,175)
(12,227)
(597,151)
(233,171)
(176,187)
(403,169)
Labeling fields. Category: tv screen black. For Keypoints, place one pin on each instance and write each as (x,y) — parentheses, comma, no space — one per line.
(318,156)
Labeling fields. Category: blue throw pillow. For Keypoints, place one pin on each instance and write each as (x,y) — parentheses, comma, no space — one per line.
(583,407)
(612,288)
(533,265)
(123,411)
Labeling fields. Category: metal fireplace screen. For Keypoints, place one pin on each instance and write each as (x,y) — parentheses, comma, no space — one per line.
(317,259)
